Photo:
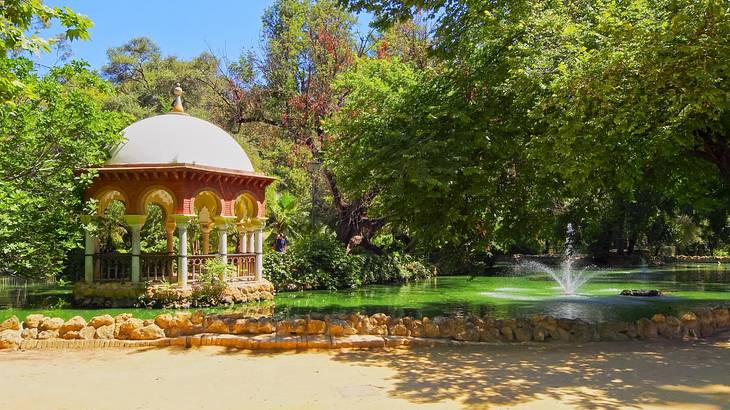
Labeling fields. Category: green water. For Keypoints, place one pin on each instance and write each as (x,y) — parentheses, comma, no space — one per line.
(502,296)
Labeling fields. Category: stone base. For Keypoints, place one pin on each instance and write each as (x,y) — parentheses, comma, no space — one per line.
(125,294)
(342,331)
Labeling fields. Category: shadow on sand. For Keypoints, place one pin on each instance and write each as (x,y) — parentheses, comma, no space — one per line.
(593,376)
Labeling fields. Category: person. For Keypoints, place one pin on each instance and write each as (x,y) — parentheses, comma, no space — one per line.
(280,243)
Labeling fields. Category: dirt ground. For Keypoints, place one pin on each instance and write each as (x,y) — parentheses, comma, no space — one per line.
(593,376)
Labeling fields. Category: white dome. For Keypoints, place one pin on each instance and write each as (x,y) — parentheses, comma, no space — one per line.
(179,139)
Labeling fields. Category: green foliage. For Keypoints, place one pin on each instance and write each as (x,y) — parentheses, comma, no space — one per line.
(44,137)
(538,114)
(20,21)
(319,261)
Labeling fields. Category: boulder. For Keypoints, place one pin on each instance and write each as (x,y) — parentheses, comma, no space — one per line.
(722,317)
(51,324)
(197,317)
(149,332)
(33,321)
(11,323)
(47,334)
(122,317)
(10,339)
(316,327)
(336,327)
(646,329)
(489,334)
(217,326)
(165,321)
(74,324)
(104,332)
(71,335)
(641,292)
(99,321)
(123,330)
(29,333)
(398,329)
(522,334)
(87,333)
(266,325)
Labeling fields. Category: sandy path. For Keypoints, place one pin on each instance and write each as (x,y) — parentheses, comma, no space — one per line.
(594,376)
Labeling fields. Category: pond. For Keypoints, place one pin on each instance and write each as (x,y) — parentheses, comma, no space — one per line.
(501,296)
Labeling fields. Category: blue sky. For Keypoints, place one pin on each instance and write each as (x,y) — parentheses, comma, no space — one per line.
(183,28)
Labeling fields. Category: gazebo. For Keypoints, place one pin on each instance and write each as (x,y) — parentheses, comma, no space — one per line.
(191,169)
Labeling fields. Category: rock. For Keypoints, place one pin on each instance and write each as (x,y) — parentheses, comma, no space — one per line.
(398,330)
(33,321)
(51,324)
(104,332)
(87,333)
(47,334)
(641,292)
(672,328)
(490,334)
(659,318)
(722,317)
(11,323)
(315,327)
(30,333)
(522,334)
(99,321)
(10,338)
(165,321)
(613,331)
(217,326)
(122,317)
(149,332)
(507,333)
(245,326)
(123,330)
(197,317)
(416,328)
(74,324)
(336,327)
(646,328)
(380,318)
(71,335)
(445,326)
(266,325)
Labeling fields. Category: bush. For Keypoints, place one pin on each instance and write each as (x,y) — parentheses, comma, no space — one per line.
(319,261)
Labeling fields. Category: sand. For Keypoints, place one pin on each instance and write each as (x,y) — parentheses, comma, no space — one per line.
(630,375)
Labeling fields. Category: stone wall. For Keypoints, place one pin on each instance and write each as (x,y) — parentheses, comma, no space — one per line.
(341,330)
(123,294)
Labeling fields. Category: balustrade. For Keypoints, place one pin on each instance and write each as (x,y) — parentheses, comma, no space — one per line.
(158,267)
(113,266)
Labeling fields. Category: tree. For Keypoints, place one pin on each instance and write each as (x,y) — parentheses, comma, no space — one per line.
(574,104)
(19,19)
(44,138)
(144,80)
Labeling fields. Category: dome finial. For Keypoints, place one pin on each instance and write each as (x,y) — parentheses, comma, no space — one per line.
(177,102)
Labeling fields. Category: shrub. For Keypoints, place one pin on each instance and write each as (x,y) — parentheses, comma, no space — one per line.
(319,261)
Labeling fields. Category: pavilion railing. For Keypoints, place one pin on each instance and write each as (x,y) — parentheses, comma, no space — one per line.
(113,266)
(243,266)
(196,265)
(158,267)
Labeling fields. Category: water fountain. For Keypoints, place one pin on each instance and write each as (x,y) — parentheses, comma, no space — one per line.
(567,276)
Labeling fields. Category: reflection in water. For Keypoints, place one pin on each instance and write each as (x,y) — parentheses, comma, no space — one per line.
(500,296)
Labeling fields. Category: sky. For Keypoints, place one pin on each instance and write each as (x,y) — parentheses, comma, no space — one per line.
(184,28)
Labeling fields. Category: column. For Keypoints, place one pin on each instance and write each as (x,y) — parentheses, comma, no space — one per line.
(182,222)
(259,249)
(89,248)
(170,232)
(221,224)
(251,248)
(135,223)
(242,240)
(205,233)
